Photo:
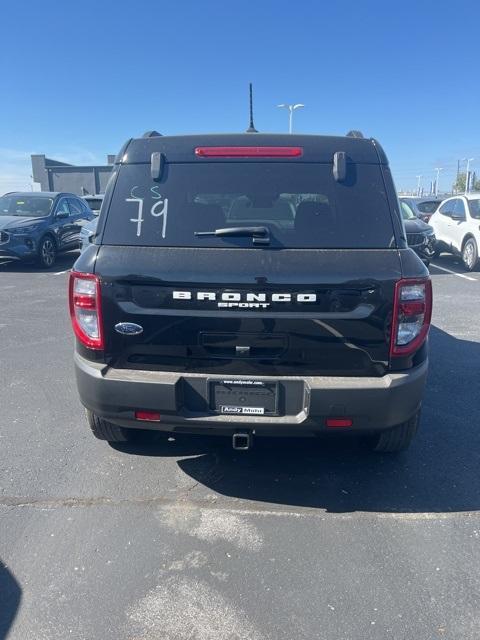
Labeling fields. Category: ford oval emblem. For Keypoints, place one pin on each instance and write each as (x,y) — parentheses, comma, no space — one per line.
(128,328)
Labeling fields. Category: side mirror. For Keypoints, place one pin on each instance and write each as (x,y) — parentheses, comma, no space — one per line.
(61,214)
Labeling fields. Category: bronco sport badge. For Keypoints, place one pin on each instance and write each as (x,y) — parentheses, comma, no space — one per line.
(244,300)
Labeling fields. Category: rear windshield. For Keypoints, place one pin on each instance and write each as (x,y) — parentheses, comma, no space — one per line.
(94,204)
(301,206)
(428,207)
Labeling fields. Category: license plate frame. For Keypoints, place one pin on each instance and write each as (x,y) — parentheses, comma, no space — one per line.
(243,397)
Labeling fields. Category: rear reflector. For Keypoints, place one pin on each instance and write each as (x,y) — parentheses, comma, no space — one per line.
(147,416)
(249,152)
(339,422)
(412,312)
(85,309)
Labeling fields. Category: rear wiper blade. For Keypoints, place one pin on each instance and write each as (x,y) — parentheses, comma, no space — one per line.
(260,235)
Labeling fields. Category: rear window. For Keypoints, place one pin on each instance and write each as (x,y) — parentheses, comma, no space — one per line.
(428,207)
(94,203)
(300,204)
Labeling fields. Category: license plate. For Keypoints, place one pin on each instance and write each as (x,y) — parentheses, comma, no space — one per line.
(244,397)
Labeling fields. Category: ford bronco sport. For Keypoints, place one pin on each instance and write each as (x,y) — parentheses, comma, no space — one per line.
(251,284)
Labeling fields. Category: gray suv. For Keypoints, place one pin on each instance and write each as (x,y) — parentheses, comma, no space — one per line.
(37,226)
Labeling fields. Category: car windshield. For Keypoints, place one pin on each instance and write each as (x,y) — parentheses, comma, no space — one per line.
(31,206)
(297,205)
(475,208)
(407,212)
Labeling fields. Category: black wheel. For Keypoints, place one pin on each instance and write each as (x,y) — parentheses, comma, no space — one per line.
(47,252)
(470,254)
(398,438)
(104,430)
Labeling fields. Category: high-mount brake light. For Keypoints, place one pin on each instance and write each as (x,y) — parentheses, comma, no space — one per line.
(412,313)
(85,309)
(249,152)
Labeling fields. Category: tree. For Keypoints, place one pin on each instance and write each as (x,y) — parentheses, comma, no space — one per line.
(459,185)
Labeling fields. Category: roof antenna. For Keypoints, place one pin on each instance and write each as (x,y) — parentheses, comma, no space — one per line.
(251,128)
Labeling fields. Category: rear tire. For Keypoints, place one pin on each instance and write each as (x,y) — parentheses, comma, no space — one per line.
(470,254)
(398,438)
(104,430)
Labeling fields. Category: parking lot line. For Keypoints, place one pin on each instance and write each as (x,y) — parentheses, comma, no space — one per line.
(454,273)
(59,273)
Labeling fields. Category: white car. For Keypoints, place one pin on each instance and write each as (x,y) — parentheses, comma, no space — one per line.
(456,223)
(94,202)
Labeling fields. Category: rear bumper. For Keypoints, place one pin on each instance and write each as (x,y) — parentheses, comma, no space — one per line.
(374,404)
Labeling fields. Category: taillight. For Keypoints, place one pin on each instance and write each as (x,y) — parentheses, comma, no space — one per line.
(412,312)
(249,152)
(85,309)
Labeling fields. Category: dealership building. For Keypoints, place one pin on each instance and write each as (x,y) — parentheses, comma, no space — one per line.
(53,175)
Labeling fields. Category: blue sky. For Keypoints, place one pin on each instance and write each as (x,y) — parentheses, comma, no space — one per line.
(78,78)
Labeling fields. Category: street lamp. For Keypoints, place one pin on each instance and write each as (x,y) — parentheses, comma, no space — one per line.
(418,184)
(437,169)
(291,108)
(467,181)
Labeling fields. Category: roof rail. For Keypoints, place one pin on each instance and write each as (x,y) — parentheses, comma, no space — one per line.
(355,134)
(151,134)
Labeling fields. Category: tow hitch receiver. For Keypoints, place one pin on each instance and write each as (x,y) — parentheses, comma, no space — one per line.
(242,441)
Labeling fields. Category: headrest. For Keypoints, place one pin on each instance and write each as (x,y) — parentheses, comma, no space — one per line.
(313,216)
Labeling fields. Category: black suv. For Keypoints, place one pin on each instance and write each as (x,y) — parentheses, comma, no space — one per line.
(251,284)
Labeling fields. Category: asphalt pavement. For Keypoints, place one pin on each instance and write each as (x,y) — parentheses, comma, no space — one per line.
(188,539)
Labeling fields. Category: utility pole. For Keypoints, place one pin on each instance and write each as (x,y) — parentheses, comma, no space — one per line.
(467,175)
(437,169)
(418,184)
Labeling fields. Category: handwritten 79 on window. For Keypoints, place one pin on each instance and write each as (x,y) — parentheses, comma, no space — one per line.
(155,210)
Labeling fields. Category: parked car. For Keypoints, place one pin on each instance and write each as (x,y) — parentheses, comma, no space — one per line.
(457,228)
(191,316)
(423,208)
(420,235)
(36,226)
(94,202)
(87,233)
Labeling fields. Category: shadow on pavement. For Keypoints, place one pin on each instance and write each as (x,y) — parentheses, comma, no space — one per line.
(452,262)
(10,597)
(440,472)
(64,262)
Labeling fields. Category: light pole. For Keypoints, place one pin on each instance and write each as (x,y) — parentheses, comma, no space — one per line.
(467,181)
(437,169)
(418,184)
(291,108)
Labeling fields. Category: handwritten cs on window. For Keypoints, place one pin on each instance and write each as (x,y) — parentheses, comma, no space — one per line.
(155,210)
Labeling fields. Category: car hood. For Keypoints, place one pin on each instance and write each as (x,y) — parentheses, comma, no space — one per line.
(417,226)
(17,221)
